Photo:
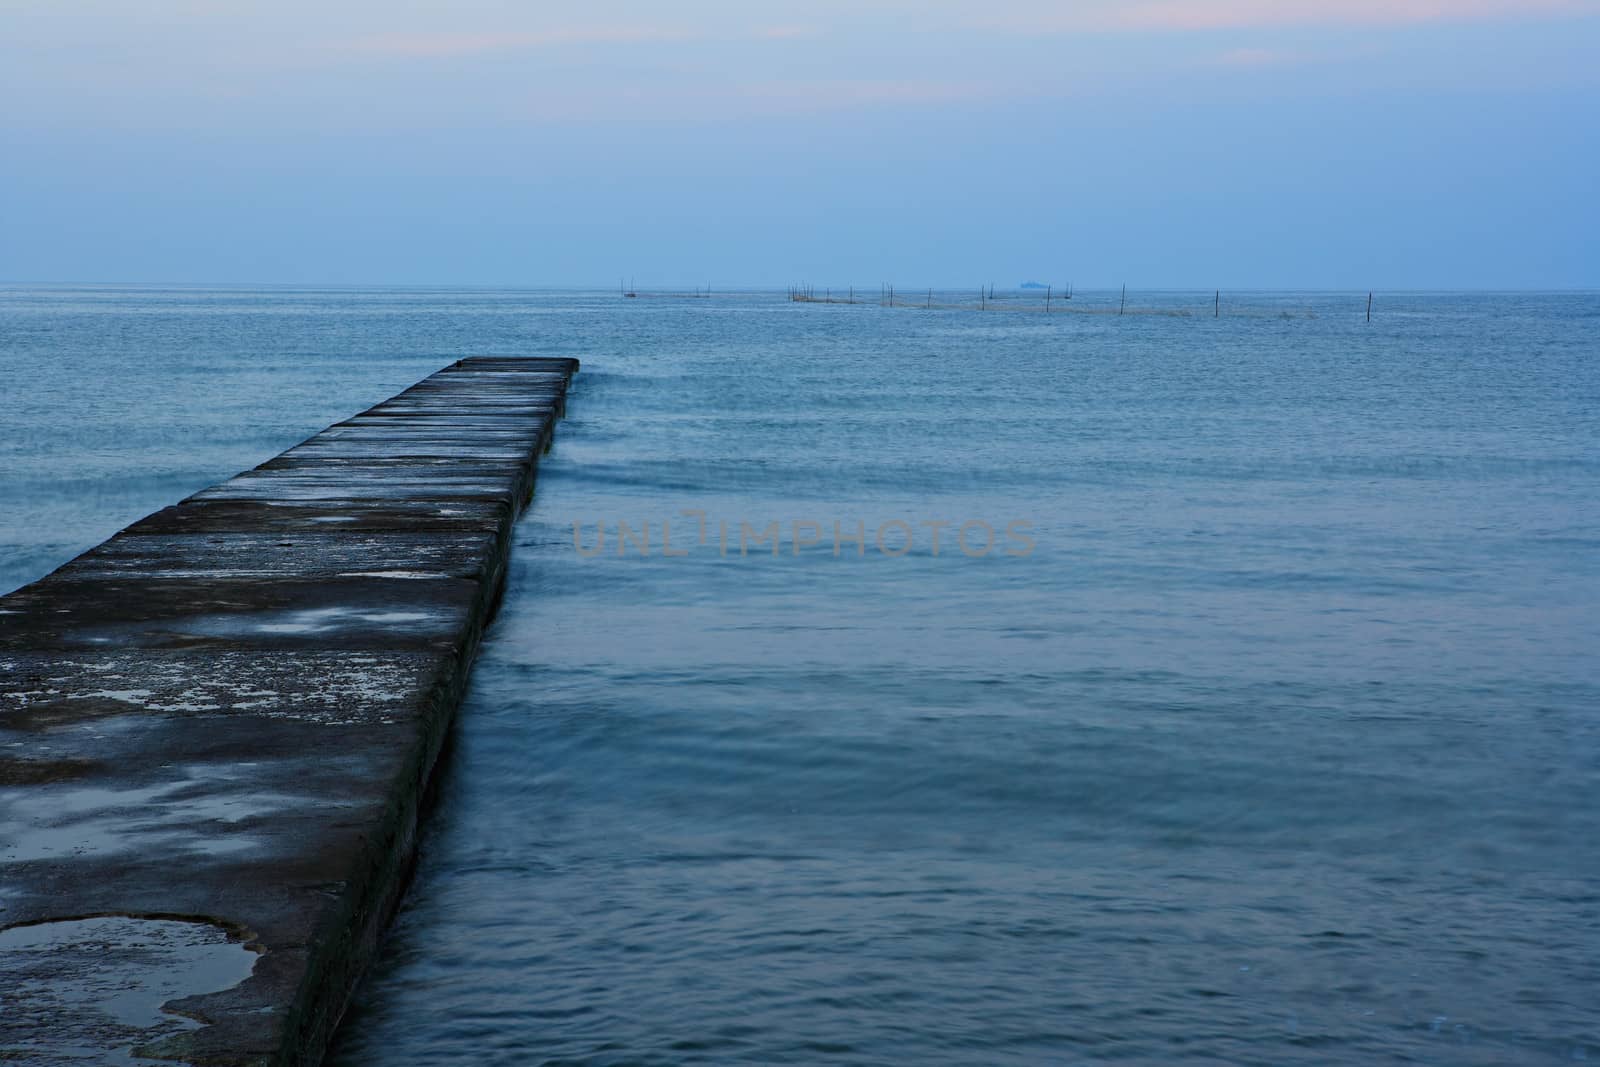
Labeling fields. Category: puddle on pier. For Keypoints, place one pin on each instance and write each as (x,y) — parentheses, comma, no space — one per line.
(91,990)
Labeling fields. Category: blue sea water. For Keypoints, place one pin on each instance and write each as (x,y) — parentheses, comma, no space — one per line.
(1279,746)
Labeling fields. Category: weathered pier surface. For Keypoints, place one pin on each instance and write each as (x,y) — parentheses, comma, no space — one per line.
(216,729)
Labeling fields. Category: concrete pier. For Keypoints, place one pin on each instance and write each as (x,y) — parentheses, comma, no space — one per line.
(216,729)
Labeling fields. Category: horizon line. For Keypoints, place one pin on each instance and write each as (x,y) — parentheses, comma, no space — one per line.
(713,287)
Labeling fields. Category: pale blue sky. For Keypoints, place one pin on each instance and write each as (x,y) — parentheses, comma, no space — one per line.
(1182,143)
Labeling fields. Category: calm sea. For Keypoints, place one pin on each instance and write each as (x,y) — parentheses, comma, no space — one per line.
(1267,730)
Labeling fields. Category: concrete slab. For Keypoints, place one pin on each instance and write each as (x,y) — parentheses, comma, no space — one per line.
(216,730)
(316,553)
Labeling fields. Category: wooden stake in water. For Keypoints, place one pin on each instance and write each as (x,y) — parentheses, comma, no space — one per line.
(1124,306)
(1369,307)
(983,299)
(1218,313)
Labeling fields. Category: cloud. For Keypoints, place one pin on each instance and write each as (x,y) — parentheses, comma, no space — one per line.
(757,99)
(437,45)
(1191,15)
(786,33)
(844,93)
(1257,57)
(429,45)
(1236,14)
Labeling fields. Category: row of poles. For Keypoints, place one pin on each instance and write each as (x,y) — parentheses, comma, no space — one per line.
(699,294)
(807,294)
